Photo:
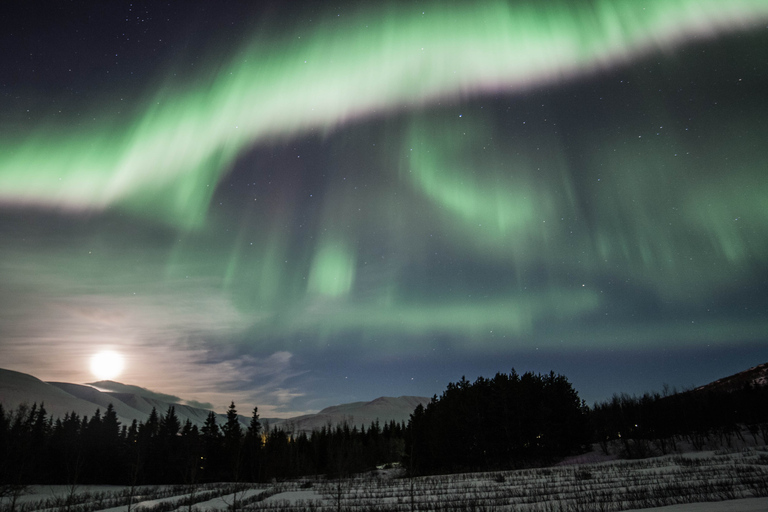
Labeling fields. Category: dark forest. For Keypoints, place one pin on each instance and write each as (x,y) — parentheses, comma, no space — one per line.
(509,421)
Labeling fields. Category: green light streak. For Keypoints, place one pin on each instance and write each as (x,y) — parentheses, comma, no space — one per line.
(463,206)
(506,209)
(165,163)
(676,220)
(512,316)
(333,271)
(500,196)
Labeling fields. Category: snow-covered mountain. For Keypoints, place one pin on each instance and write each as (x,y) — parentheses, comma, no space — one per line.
(383,409)
(756,376)
(61,398)
(17,388)
(136,405)
(132,402)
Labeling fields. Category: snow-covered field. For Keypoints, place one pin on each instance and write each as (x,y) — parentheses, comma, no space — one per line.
(700,482)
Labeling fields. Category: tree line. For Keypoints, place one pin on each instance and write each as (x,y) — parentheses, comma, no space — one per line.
(36,448)
(500,423)
(656,423)
(505,422)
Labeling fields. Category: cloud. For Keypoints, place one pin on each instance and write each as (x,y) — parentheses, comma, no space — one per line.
(117,387)
(200,405)
(174,333)
(248,380)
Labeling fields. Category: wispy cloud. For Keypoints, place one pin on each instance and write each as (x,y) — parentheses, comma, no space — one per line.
(201,405)
(118,387)
(248,380)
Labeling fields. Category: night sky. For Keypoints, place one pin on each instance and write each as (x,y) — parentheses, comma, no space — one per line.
(295,205)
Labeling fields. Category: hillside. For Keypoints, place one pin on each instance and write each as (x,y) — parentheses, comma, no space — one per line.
(755,376)
(383,409)
(18,388)
(133,402)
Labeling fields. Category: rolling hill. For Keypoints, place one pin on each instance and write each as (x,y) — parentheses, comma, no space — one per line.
(133,402)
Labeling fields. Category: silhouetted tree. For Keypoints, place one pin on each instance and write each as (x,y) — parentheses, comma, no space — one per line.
(190,453)
(506,421)
(252,447)
(167,446)
(212,446)
(233,434)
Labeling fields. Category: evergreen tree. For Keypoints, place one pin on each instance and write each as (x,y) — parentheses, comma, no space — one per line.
(506,421)
(168,447)
(151,427)
(232,429)
(169,426)
(252,447)
(211,440)
(107,446)
(233,434)
(148,457)
(191,451)
(254,427)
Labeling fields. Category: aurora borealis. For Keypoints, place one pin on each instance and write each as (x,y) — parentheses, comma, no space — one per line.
(298,206)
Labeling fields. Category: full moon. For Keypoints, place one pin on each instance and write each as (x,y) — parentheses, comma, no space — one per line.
(107,364)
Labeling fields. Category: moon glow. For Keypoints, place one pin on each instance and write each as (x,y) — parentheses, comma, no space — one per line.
(107,364)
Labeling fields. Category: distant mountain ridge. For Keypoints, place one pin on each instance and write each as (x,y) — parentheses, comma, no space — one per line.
(133,402)
(136,406)
(755,376)
(17,388)
(61,398)
(359,414)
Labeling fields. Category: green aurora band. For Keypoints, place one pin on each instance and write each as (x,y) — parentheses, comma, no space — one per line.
(642,214)
(669,221)
(167,162)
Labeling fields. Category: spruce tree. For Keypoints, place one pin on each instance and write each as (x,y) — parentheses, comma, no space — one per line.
(211,438)
(233,434)
(252,447)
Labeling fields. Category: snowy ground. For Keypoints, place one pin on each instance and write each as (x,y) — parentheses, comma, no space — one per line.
(744,505)
(697,482)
